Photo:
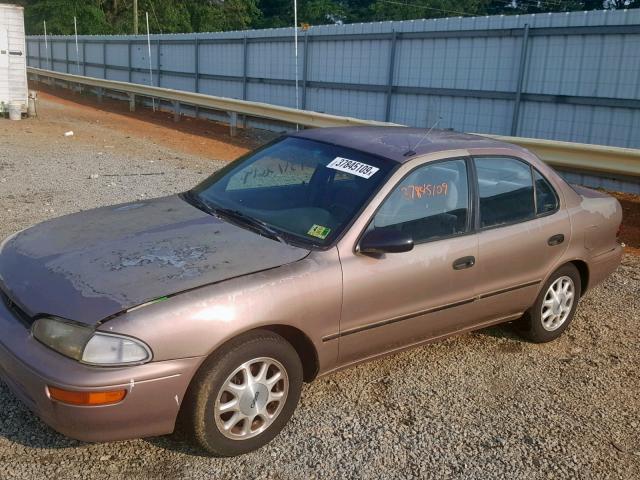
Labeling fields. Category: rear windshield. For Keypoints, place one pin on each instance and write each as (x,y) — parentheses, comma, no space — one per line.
(307,191)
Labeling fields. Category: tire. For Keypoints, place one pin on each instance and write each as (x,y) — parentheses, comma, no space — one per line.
(550,316)
(222,381)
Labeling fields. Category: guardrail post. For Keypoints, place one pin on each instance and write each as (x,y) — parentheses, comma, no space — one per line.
(521,70)
(132,102)
(176,111)
(392,63)
(99,93)
(305,67)
(233,123)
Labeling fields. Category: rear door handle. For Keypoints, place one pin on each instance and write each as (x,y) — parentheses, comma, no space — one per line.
(555,240)
(464,262)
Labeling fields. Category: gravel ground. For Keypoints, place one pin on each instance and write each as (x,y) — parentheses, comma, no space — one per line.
(482,405)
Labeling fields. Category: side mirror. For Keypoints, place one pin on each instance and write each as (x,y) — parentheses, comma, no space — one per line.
(382,240)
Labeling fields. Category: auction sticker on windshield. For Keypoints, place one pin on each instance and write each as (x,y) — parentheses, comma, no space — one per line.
(351,166)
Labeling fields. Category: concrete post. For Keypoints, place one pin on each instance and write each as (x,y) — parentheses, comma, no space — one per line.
(233,124)
(132,102)
(176,111)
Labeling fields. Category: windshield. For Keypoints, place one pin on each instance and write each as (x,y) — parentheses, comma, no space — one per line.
(294,189)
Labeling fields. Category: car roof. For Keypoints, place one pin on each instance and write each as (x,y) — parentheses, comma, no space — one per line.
(393,143)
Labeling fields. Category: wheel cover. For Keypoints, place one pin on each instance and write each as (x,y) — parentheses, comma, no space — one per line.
(251,398)
(557,303)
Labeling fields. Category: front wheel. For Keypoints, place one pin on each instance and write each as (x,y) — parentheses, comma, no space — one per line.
(244,394)
(554,308)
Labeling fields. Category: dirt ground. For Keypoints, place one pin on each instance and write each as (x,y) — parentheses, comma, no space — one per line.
(190,135)
(630,233)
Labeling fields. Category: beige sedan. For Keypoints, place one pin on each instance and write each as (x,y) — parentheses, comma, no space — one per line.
(323,249)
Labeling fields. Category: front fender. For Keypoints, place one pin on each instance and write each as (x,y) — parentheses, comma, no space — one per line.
(306,295)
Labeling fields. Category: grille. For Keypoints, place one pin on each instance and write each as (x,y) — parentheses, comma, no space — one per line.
(16,310)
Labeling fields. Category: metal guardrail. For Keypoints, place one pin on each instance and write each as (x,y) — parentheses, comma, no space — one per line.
(575,156)
(581,156)
(231,105)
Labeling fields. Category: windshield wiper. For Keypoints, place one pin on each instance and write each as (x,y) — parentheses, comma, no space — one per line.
(257,224)
(254,222)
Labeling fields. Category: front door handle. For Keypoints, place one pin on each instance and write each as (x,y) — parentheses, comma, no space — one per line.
(464,262)
(555,240)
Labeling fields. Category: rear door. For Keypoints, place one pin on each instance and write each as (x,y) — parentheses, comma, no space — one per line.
(522,233)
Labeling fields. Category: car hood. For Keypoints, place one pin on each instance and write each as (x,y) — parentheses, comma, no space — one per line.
(90,265)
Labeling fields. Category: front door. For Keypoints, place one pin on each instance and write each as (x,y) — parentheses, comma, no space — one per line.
(398,299)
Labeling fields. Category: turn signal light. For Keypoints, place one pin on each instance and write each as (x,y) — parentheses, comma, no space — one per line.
(86,398)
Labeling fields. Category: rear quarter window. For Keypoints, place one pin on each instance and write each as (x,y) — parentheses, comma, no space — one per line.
(546,196)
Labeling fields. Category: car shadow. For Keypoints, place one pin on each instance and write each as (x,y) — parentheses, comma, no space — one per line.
(503,331)
(177,443)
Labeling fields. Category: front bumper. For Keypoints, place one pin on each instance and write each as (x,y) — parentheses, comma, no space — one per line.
(154,390)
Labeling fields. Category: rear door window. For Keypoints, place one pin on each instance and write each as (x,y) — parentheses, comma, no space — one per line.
(505,188)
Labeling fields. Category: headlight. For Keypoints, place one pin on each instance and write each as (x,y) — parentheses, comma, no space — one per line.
(86,345)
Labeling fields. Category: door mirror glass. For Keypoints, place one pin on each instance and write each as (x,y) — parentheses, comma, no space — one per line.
(385,241)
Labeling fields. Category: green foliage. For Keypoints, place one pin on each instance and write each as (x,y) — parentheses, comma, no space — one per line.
(174,16)
(320,12)
(210,16)
(409,9)
(59,16)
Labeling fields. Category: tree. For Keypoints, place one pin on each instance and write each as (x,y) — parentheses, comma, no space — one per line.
(411,9)
(116,16)
(213,16)
(59,17)
(173,16)
(320,12)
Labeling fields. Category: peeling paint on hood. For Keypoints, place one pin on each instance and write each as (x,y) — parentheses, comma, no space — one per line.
(90,265)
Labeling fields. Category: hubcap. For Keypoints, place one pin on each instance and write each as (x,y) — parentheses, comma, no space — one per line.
(251,398)
(557,303)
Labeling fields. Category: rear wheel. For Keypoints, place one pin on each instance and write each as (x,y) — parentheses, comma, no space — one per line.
(244,394)
(554,308)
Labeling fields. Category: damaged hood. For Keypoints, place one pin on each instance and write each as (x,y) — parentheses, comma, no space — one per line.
(90,265)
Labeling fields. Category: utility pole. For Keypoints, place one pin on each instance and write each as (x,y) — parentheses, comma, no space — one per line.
(135,17)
